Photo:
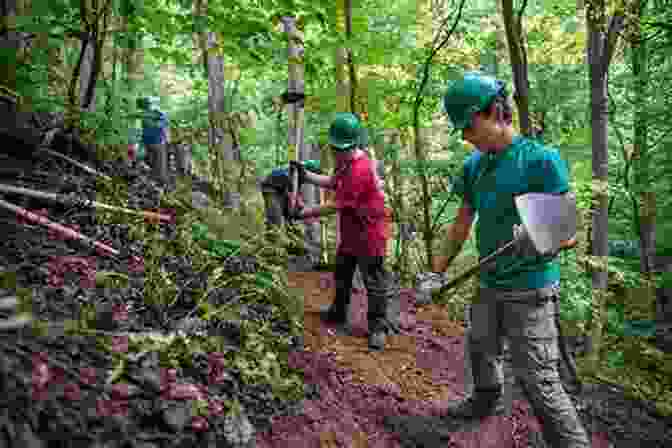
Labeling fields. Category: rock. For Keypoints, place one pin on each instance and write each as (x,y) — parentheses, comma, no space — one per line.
(663,337)
(149,378)
(192,325)
(105,317)
(664,305)
(26,438)
(238,431)
(199,200)
(177,416)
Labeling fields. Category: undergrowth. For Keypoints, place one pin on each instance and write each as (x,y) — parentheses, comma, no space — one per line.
(263,357)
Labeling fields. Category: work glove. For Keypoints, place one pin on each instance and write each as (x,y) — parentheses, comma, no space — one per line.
(427,283)
(298,167)
(523,246)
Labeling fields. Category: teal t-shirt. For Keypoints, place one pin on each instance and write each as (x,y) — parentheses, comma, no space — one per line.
(489,182)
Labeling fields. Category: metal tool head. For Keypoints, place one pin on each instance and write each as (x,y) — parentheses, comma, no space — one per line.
(549,219)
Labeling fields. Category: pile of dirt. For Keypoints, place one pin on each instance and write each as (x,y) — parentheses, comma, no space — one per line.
(65,390)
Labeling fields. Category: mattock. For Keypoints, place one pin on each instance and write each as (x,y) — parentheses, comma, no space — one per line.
(548,226)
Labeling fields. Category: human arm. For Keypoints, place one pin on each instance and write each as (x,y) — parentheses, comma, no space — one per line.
(457,235)
(549,174)
(316,212)
(306,176)
(319,180)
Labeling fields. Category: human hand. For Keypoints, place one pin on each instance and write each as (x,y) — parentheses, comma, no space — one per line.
(427,284)
(524,247)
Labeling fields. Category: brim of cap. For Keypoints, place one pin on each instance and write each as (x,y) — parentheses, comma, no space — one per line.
(341,145)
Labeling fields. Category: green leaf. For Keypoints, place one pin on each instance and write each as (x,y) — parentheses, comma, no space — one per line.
(117,372)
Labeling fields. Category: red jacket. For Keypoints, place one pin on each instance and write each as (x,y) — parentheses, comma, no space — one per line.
(364,225)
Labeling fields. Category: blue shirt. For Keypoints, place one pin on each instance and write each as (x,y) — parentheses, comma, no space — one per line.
(489,182)
(154,125)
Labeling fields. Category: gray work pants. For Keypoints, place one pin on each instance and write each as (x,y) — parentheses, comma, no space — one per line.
(527,319)
(157,157)
(275,206)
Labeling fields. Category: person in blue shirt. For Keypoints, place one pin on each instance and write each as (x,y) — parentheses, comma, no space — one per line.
(155,137)
(275,188)
(518,293)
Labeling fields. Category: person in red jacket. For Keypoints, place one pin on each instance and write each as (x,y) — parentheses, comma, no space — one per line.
(363,219)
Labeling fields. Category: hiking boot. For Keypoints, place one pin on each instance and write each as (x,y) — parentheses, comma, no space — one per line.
(377,340)
(477,406)
(333,315)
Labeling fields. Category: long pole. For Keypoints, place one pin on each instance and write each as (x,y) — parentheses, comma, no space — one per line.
(62,230)
(62,199)
(295,94)
(86,168)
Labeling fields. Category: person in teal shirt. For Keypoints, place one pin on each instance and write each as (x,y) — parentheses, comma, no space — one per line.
(518,292)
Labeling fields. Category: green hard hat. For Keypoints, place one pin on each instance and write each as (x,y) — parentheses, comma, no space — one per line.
(312,165)
(344,132)
(147,102)
(468,95)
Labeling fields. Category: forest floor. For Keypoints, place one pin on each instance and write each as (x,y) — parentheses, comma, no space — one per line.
(396,397)
(110,391)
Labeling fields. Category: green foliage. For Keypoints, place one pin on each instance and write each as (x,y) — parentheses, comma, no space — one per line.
(384,33)
(576,292)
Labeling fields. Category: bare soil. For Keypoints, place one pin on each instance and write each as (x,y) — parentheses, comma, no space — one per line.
(395,398)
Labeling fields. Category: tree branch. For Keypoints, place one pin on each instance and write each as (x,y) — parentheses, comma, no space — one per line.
(616,25)
(521,11)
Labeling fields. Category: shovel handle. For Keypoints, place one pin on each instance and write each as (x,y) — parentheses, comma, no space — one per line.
(564,245)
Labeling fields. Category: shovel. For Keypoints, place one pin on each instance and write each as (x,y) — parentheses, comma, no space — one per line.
(549,223)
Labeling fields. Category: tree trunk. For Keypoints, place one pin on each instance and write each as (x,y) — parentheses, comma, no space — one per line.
(132,48)
(11,43)
(501,55)
(599,50)
(643,179)
(311,196)
(513,23)
(220,147)
(343,90)
(495,54)
(395,192)
(342,86)
(424,24)
(85,75)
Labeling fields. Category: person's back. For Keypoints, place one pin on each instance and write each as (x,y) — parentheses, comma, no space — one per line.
(362,205)
(275,188)
(155,137)
(154,125)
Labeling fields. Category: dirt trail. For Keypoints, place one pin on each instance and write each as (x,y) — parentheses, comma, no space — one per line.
(420,370)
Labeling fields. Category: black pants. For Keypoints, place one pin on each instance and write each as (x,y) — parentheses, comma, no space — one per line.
(158,160)
(382,290)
